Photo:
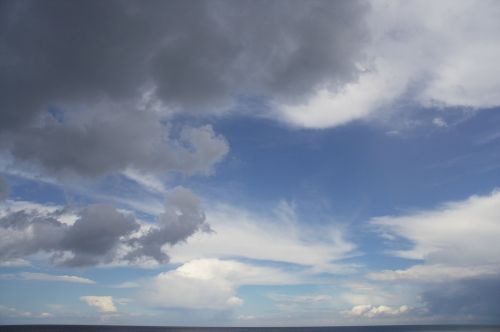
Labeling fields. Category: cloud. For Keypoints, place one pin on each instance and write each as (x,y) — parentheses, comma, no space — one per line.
(303,299)
(192,55)
(402,63)
(96,100)
(371,311)
(99,234)
(279,235)
(299,303)
(103,303)
(95,236)
(16,262)
(319,63)
(4,189)
(434,273)
(472,300)
(457,244)
(48,277)
(460,238)
(106,139)
(208,284)
(183,216)
(9,312)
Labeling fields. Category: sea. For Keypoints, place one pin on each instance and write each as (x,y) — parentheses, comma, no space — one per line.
(107,328)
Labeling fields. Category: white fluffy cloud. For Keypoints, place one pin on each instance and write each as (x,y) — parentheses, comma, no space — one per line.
(208,284)
(371,311)
(456,240)
(104,304)
(434,53)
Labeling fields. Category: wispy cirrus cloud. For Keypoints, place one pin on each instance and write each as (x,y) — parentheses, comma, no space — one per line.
(48,277)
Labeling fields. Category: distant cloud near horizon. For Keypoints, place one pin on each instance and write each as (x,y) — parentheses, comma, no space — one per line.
(104,304)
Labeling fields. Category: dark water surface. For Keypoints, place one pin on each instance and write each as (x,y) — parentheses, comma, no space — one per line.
(102,328)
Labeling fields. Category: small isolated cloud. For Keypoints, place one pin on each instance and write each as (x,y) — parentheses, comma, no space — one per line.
(439,122)
(102,303)
(372,311)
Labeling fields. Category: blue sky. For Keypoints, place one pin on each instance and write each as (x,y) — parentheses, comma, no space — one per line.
(222,163)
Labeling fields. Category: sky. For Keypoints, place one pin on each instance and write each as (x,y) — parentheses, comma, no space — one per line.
(249,163)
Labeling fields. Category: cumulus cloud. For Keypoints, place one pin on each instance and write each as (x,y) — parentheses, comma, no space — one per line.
(101,141)
(104,304)
(100,234)
(183,216)
(371,311)
(208,284)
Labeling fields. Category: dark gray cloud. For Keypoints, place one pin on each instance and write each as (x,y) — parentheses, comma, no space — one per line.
(192,52)
(96,234)
(182,216)
(93,143)
(4,189)
(24,233)
(473,300)
(189,56)
(101,234)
